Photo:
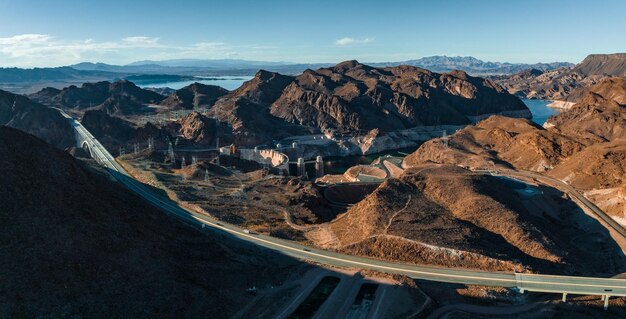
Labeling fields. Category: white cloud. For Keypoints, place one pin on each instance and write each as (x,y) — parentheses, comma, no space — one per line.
(25,39)
(141,41)
(30,50)
(352,41)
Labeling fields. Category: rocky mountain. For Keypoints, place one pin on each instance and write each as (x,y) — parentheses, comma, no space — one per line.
(564,84)
(352,97)
(21,113)
(196,95)
(599,171)
(516,143)
(535,84)
(599,115)
(446,215)
(473,65)
(602,64)
(75,244)
(583,145)
(114,132)
(121,97)
(197,128)
(247,110)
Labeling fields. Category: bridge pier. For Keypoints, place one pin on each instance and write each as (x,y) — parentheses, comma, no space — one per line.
(606,301)
(301,167)
(319,166)
(564,296)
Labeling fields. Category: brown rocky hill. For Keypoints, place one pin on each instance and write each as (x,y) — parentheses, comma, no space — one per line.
(599,115)
(549,85)
(600,172)
(602,64)
(122,97)
(499,140)
(75,244)
(197,128)
(114,132)
(450,216)
(584,145)
(247,110)
(565,84)
(352,97)
(196,95)
(21,113)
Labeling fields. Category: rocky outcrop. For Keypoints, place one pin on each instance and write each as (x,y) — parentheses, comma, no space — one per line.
(48,124)
(602,64)
(499,140)
(246,109)
(114,132)
(564,84)
(198,128)
(196,95)
(599,115)
(121,97)
(352,98)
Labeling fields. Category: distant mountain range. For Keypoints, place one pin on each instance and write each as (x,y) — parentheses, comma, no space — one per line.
(442,63)
(473,66)
(88,71)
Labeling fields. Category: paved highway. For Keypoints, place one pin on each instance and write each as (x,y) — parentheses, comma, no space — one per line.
(524,282)
(567,188)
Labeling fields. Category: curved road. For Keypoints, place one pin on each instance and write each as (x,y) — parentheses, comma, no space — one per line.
(567,188)
(529,282)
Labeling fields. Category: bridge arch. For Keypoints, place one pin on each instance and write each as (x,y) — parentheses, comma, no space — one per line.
(85,146)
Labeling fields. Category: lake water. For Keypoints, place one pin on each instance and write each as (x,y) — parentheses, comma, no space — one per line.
(540,110)
(228,82)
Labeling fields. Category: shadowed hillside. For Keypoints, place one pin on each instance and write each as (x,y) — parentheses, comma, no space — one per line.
(75,244)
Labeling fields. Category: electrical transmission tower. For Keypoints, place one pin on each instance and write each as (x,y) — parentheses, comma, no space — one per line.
(170,151)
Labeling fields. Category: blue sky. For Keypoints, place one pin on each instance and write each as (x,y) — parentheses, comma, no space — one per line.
(61,32)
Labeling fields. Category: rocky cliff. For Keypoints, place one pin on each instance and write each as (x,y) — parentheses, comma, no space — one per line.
(21,113)
(499,140)
(564,84)
(599,115)
(352,98)
(196,95)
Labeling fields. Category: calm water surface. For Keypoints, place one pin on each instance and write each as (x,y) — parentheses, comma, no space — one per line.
(228,82)
(540,110)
